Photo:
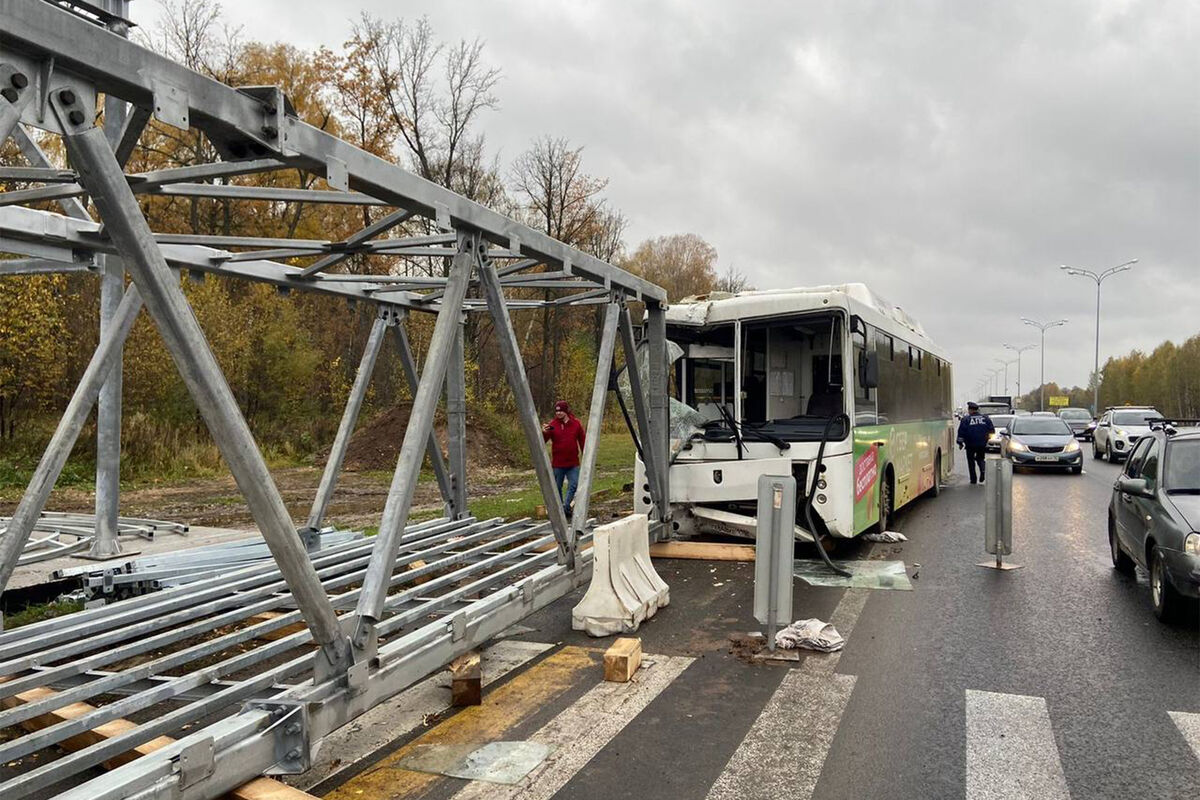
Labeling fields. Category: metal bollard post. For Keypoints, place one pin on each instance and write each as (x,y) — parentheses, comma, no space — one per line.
(773,553)
(997,528)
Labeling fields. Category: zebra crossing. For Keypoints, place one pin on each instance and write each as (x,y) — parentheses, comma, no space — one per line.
(1009,740)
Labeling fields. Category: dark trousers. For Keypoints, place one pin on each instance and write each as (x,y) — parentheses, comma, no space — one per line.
(975,455)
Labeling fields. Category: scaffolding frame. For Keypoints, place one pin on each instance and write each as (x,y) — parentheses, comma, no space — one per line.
(425,593)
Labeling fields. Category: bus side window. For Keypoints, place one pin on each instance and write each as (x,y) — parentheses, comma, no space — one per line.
(863,341)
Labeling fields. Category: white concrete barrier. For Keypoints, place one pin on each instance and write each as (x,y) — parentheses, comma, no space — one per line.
(625,589)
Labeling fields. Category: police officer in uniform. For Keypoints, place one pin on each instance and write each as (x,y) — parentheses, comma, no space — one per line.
(973,433)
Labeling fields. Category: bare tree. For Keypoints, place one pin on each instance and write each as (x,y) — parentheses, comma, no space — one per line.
(558,196)
(733,280)
(432,112)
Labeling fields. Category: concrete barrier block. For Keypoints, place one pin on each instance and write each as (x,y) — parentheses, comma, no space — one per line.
(625,589)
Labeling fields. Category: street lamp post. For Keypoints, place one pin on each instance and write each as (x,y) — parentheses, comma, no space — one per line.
(1019,351)
(1098,278)
(1006,364)
(1042,326)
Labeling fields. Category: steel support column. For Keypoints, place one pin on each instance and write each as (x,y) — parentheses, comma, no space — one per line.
(660,403)
(510,353)
(416,438)
(456,424)
(108,409)
(101,175)
(604,360)
(54,458)
(358,391)
(436,460)
(641,409)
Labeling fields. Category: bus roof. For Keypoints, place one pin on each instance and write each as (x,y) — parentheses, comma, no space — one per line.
(857,298)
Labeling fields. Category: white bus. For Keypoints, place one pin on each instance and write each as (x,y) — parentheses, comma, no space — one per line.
(768,375)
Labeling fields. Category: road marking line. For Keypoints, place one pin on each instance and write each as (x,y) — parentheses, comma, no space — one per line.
(785,749)
(845,617)
(584,729)
(404,713)
(1011,752)
(1189,726)
(502,710)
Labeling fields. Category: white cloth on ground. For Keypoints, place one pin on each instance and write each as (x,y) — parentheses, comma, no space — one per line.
(885,536)
(810,634)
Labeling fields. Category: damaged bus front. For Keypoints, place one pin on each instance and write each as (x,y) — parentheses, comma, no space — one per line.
(830,384)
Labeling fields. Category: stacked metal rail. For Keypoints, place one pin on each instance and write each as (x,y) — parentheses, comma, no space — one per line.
(178,567)
(182,658)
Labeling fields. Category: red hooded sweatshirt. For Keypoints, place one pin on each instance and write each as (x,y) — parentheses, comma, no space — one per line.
(566,441)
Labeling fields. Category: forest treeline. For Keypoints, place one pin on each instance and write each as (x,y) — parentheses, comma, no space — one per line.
(396,90)
(1167,378)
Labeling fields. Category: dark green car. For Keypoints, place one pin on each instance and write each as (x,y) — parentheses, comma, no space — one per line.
(1154,518)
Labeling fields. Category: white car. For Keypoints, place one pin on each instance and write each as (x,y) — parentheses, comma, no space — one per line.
(1119,430)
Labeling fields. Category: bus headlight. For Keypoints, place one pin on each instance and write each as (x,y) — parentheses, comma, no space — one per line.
(821,498)
(1191,544)
(821,484)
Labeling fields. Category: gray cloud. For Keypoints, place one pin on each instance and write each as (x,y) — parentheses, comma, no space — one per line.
(949,154)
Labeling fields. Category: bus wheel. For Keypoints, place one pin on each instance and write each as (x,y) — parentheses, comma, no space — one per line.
(885,501)
(936,489)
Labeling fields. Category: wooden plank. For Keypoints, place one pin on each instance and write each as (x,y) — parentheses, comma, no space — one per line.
(466,681)
(703,551)
(257,789)
(622,659)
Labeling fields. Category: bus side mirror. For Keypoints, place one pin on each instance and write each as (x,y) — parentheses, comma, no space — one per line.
(870,371)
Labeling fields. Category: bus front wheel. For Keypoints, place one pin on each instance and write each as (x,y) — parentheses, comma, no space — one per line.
(885,501)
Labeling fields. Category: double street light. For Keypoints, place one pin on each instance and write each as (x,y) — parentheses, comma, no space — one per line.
(1098,278)
(1006,364)
(1019,351)
(1042,326)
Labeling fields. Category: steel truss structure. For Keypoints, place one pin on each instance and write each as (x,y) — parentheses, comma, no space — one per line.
(378,614)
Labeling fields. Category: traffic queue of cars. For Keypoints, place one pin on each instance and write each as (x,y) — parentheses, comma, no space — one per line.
(1154,510)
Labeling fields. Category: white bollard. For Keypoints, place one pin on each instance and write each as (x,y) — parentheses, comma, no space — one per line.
(625,589)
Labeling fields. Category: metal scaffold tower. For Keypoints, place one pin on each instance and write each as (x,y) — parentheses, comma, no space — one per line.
(351,625)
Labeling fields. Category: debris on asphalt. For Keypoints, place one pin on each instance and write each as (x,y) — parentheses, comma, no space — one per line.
(885,536)
(810,634)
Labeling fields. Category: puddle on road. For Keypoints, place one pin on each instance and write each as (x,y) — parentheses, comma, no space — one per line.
(863,574)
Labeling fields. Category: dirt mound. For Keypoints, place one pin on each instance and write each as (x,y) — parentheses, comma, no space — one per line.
(376,443)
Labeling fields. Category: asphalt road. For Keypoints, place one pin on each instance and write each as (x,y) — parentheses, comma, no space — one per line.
(1067,646)
(1051,681)
(1067,628)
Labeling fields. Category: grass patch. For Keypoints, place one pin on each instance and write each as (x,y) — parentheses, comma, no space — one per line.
(41,611)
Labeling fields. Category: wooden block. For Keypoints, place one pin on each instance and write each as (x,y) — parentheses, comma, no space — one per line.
(622,659)
(257,789)
(466,681)
(703,551)
(418,564)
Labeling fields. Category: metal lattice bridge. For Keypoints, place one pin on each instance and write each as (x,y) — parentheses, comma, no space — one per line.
(221,680)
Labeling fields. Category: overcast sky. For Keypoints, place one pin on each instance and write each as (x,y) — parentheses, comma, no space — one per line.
(949,154)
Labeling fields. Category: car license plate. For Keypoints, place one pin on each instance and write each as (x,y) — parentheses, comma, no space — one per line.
(1045,458)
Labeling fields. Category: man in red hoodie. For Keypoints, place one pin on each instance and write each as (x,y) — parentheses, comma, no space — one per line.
(566,437)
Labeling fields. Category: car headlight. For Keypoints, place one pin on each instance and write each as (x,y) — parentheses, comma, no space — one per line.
(1072,447)
(1118,432)
(1016,446)
(1191,544)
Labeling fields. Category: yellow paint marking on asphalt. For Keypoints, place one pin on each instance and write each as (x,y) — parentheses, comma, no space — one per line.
(502,710)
